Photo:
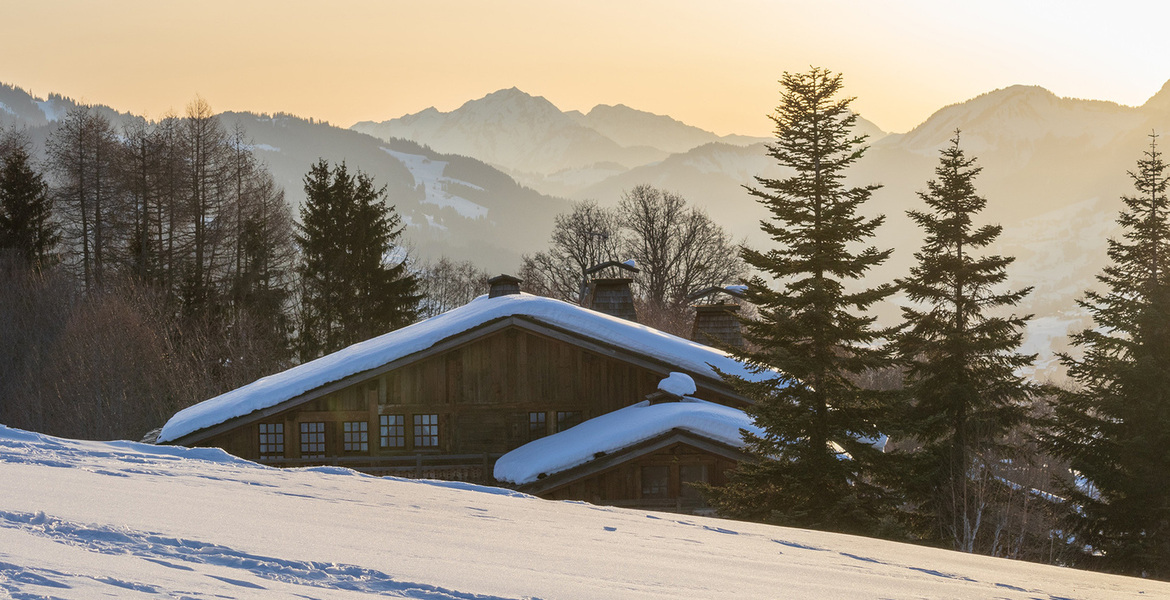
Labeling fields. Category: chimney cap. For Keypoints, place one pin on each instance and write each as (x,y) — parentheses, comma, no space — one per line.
(613,263)
(735,291)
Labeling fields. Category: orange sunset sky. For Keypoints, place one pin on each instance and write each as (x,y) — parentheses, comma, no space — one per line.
(710,64)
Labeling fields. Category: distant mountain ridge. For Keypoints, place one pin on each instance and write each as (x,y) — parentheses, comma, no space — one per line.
(1054,169)
(454,205)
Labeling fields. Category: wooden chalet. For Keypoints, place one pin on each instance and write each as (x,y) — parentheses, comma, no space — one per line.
(446,397)
(647,455)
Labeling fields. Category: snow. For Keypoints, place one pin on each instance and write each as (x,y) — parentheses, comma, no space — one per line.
(81,520)
(52,111)
(621,429)
(686,355)
(678,384)
(429,173)
(4,107)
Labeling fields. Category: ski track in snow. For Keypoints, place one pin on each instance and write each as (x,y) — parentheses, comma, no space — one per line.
(171,552)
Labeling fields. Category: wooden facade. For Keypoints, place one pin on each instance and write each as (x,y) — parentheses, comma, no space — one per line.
(449,412)
(657,474)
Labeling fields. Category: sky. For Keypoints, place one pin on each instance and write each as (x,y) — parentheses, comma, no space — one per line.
(714,65)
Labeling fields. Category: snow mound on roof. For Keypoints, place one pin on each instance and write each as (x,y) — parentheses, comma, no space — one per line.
(621,429)
(678,384)
(274,389)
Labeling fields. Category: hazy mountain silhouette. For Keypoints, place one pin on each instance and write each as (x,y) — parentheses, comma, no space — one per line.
(1054,169)
(454,205)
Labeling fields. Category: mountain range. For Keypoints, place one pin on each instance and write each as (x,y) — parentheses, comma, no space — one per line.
(483,182)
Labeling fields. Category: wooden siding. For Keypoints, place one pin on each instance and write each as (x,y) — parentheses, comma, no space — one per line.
(482,391)
(622,485)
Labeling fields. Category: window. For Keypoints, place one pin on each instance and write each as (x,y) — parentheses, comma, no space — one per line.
(655,481)
(426,431)
(567,419)
(393,431)
(537,428)
(312,440)
(271,440)
(688,474)
(355,436)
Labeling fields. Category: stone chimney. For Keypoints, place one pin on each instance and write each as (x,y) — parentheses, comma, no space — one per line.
(503,285)
(717,324)
(612,296)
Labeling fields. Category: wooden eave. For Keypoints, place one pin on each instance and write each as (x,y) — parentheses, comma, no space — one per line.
(450,343)
(615,459)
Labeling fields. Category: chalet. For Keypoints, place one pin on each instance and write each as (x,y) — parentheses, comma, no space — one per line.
(645,455)
(445,398)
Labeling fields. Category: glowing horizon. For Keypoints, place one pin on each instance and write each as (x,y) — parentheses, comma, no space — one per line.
(714,67)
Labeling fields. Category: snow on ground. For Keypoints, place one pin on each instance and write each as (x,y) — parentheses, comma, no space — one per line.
(430,174)
(695,358)
(118,519)
(619,429)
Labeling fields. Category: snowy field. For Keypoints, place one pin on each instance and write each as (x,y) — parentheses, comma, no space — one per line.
(124,520)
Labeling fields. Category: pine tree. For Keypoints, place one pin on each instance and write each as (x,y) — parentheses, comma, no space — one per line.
(1114,431)
(351,290)
(961,362)
(814,467)
(26,210)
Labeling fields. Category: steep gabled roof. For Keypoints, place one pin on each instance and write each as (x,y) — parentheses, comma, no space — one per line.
(268,392)
(619,430)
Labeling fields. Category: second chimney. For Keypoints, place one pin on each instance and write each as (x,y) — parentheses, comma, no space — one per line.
(612,297)
(717,324)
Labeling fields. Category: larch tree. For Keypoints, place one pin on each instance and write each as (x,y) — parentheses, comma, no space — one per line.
(816,462)
(964,393)
(1114,430)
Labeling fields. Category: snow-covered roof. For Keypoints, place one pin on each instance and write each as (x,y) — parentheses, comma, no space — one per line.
(621,429)
(269,391)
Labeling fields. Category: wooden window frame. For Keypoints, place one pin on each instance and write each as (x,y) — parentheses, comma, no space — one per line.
(271,439)
(355,437)
(426,431)
(312,434)
(386,427)
(563,416)
(537,425)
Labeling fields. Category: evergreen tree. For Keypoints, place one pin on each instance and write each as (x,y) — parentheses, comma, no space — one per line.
(1115,430)
(814,466)
(351,289)
(25,210)
(961,362)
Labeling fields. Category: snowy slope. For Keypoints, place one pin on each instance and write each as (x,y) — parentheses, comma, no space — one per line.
(83,520)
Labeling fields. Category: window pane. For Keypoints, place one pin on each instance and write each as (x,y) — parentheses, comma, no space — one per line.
(655,481)
(355,433)
(392,431)
(567,419)
(537,427)
(313,440)
(426,431)
(271,440)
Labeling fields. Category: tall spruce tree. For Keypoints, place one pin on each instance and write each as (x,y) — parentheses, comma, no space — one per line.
(814,466)
(26,210)
(351,288)
(1114,431)
(961,362)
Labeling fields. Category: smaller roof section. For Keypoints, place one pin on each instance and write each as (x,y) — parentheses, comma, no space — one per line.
(620,429)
